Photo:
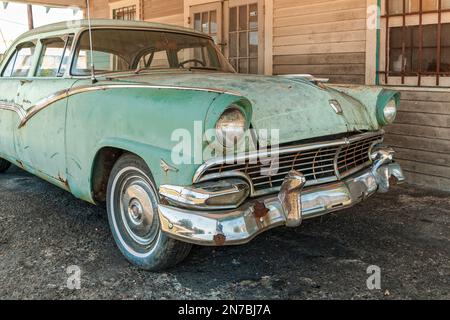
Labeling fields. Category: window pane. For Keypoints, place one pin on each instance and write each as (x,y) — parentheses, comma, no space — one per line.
(253,16)
(253,66)
(243,18)
(197,22)
(205,22)
(9,68)
(429,62)
(66,59)
(243,44)
(51,58)
(253,44)
(125,13)
(243,65)
(233,63)
(233,19)
(23,62)
(445,4)
(123,50)
(213,18)
(430,5)
(233,45)
(398,38)
(395,6)
(445,48)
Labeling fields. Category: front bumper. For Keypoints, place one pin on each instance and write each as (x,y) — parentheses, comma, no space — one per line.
(288,208)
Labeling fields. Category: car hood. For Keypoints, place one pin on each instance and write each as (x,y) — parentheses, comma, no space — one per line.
(298,108)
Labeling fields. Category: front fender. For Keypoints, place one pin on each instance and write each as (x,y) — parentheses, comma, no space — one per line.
(372,97)
(139,120)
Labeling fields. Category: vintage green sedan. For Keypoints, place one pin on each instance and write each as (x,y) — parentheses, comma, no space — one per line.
(153,121)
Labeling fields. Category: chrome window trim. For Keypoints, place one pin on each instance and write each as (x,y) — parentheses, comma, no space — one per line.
(254,155)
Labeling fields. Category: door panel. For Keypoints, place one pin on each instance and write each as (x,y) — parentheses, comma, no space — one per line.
(41,141)
(9,119)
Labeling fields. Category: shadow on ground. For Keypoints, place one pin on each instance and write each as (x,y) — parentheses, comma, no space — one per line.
(43,230)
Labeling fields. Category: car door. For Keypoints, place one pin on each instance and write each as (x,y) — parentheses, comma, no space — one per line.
(13,75)
(41,140)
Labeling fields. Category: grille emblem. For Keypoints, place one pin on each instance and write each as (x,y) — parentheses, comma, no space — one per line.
(336,106)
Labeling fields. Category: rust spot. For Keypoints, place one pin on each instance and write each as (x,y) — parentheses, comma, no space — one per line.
(393,181)
(20,163)
(164,202)
(64,181)
(260,210)
(219,239)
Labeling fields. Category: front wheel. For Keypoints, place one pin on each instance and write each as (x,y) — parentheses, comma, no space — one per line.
(4,165)
(132,204)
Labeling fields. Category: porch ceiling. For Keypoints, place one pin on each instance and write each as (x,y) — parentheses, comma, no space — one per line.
(55,3)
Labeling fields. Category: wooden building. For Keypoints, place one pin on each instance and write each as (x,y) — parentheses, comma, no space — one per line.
(403,44)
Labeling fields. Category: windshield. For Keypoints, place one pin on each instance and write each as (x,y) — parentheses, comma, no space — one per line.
(123,50)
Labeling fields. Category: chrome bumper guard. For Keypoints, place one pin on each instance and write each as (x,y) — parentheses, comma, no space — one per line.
(289,208)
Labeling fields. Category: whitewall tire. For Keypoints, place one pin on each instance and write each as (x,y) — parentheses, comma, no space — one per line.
(132,205)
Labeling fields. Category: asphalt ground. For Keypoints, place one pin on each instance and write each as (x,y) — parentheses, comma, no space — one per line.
(47,236)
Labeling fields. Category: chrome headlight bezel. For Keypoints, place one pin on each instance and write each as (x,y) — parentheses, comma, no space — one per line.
(387,113)
(231,126)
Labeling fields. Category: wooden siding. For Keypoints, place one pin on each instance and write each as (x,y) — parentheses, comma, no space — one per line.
(322,37)
(167,11)
(100,9)
(421,137)
(157,9)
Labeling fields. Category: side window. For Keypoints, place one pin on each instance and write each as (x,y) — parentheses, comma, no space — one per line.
(54,57)
(104,62)
(20,62)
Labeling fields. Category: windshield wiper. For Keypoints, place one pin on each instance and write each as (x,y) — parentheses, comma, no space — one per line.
(203,68)
(139,70)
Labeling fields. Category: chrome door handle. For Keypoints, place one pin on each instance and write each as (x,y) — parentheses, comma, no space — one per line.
(24,81)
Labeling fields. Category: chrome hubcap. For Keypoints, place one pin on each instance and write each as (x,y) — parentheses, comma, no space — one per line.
(137,210)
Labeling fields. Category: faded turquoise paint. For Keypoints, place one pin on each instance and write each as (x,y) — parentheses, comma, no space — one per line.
(41,143)
(143,125)
(296,107)
(366,96)
(60,143)
(382,100)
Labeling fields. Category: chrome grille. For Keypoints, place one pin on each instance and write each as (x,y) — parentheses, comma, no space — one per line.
(319,162)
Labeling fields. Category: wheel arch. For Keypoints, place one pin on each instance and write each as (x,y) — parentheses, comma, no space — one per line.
(110,150)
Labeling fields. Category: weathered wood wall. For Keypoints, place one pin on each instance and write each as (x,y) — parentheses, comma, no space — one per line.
(167,11)
(421,137)
(326,38)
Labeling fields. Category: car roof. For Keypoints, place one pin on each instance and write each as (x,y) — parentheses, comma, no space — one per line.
(80,24)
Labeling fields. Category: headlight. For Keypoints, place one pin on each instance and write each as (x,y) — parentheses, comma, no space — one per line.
(230,128)
(390,111)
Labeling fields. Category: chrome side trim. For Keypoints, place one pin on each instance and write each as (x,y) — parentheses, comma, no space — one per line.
(13,107)
(255,155)
(44,103)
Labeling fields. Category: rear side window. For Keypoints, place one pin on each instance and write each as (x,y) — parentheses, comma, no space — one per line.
(20,62)
(54,57)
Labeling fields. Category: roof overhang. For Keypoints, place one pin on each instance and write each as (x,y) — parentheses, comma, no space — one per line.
(54,3)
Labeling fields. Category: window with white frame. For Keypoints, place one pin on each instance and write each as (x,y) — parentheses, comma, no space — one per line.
(415,42)
(125,10)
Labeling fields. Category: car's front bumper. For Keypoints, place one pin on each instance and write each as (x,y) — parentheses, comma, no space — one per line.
(288,208)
